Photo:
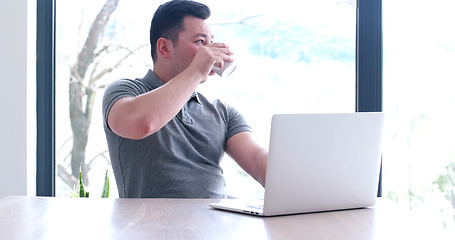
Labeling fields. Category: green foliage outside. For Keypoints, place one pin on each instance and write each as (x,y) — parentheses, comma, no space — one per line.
(81,191)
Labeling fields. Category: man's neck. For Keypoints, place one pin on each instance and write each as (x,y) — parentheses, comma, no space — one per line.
(162,72)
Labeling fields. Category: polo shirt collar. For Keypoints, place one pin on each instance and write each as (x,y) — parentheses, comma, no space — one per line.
(155,82)
(152,80)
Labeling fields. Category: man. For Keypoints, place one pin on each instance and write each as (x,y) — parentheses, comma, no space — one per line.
(165,139)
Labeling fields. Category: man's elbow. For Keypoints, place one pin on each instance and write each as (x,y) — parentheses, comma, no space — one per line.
(145,129)
(136,130)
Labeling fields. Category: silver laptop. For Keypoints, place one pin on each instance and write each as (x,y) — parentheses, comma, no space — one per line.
(318,162)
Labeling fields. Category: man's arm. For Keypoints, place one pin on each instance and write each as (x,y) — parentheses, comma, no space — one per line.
(141,116)
(249,155)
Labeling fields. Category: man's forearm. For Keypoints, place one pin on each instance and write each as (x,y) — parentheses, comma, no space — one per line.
(139,117)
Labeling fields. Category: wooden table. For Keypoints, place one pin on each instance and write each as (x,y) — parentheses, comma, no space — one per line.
(77,218)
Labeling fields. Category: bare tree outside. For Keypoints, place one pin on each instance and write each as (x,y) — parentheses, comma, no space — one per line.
(82,89)
(85,77)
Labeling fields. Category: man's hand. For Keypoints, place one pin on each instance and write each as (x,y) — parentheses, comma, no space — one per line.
(210,55)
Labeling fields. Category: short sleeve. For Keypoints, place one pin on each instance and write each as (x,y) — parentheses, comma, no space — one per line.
(236,123)
(120,89)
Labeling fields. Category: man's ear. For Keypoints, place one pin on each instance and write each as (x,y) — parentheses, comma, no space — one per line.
(164,47)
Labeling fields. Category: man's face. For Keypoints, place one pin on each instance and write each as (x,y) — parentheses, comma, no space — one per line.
(195,34)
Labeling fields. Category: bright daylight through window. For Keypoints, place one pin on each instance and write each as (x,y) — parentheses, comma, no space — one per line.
(419,79)
(291,57)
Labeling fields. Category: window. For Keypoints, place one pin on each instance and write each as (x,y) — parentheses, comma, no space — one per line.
(283,59)
(419,151)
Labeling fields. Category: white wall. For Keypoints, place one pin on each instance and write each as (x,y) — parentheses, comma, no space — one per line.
(17,110)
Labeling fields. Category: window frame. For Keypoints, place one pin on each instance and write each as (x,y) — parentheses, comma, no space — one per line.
(368,81)
(369,60)
(45,98)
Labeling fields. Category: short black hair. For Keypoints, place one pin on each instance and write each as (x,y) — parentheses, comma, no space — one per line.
(167,21)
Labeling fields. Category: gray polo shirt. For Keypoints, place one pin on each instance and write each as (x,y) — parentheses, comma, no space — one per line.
(182,159)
